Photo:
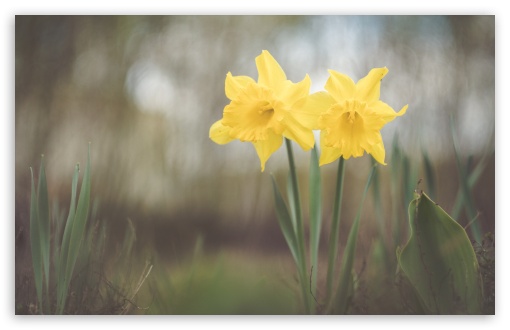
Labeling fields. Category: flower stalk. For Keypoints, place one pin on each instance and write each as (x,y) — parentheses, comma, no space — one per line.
(299,228)
(335,229)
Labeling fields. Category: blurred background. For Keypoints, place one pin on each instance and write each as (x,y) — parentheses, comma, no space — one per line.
(144,90)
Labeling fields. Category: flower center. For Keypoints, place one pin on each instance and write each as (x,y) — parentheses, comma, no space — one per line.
(352,109)
(266,111)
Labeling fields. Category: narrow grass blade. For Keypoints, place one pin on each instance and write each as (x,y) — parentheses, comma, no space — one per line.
(80,221)
(78,229)
(44,226)
(335,229)
(57,222)
(62,282)
(35,244)
(285,222)
(315,214)
(379,215)
(300,236)
(396,192)
(340,304)
(439,261)
(473,178)
(292,201)
(410,179)
(429,174)
(466,193)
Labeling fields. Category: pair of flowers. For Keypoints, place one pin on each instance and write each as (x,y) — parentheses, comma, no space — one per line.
(349,115)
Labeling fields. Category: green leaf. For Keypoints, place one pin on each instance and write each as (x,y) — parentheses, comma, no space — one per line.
(466,192)
(44,222)
(35,243)
(300,236)
(429,173)
(285,222)
(291,200)
(315,213)
(78,230)
(473,178)
(62,282)
(346,279)
(439,261)
(335,229)
(80,221)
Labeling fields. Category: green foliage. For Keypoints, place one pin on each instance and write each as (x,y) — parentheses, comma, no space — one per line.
(73,235)
(40,230)
(345,286)
(439,261)
(467,198)
(334,231)
(76,281)
(35,244)
(285,221)
(315,215)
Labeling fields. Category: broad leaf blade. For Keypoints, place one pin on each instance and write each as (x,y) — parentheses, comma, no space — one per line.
(440,262)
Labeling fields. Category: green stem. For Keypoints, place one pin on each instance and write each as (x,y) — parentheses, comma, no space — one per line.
(315,216)
(299,228)
(341,301)
(335,228)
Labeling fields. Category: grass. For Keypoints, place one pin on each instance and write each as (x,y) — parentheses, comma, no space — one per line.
(78,269)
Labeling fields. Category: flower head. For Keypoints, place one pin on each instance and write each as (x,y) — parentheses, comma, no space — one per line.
(265,111)
(352,116)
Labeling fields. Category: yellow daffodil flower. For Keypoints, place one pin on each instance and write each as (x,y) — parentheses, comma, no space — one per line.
(265,111)
(352,116)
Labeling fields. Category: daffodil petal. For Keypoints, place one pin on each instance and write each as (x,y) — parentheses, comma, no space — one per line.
(340,86)
(369,87)
(299,133)
(233,85)
(377,151)
(403,110)
(220,133)
(329,155)
(293,92)
(265,148)
(271,73)
(307,111)
(385,112)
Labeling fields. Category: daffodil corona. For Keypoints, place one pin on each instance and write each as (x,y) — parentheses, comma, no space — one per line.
(265,111)
(351,116)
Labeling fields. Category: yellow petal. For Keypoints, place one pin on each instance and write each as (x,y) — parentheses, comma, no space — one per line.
(329,155)
(270,72)
(377,151)
(253,114)
(385,112)
(233,85)
(308,111)
(368,88)
(403,110)
(298,133)
(265,148)
(220,133)
(293,92)
(340,86)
